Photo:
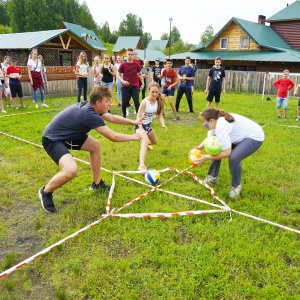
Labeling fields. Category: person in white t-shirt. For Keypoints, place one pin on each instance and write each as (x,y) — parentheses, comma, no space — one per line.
(240,138)
(82,72)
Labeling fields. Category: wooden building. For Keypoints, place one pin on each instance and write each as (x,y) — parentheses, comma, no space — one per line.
(254,46)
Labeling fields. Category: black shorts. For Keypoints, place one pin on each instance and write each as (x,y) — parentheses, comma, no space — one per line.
(16,89)
(146,127)
(212,94)
(57,149)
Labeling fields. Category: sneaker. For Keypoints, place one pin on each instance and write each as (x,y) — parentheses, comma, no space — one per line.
(210,180)
(298,118)
(134,112)
(33,101)
(46,200)
(45,105)
(175,118)
(16,107)
(99,186)
(36,105)
(278,117)
(23,106)
(4,111)
(235,191)
(127,112)
(285,117)
(8,105)
(191,113)
(142,169)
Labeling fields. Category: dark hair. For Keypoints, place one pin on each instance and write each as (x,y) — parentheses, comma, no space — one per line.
(212,113)
(218,58)
(98,93)
(129,49)
(188,58)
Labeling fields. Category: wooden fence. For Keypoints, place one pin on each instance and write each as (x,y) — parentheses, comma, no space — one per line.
(62,81)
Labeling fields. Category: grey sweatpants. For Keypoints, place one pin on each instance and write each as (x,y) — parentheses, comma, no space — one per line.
(239,151)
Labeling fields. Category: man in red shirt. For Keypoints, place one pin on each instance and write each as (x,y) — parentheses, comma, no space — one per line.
(13,72)
(130,83)
(171,80)
(283,85)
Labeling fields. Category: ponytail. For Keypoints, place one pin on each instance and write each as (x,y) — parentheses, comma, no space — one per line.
(212,113)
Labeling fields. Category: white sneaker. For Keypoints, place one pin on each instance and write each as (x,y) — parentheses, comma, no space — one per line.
(36,105)
(134,112)
(298,118)
(44,104)
(210,179)
(235,191)
(127,112)
(4,111)
(33,101)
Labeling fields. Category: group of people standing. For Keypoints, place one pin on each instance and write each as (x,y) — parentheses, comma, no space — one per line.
(11,74)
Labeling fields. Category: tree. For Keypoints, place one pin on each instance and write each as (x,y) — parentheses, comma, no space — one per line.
(207,35)
(175,35)
(132,26)
(104,32)
(146,38)
(4,18)
(5,29)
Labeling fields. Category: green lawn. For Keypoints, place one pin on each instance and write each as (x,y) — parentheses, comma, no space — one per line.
(208,256)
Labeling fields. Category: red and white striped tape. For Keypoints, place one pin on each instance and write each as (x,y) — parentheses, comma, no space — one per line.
(223,208)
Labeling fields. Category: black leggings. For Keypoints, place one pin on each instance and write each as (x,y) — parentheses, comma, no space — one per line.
(82,84)
(127,93)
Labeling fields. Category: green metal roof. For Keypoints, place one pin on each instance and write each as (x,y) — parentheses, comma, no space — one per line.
(157,45)
(151,55)
(282,55)
(28,40)
(262,35)
(290,12)
(85,34)
(125,42)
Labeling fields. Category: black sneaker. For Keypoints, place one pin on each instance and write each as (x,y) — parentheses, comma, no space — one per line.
(99,186)
(46,200)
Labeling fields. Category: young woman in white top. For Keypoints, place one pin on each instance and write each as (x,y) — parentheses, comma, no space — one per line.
(82,72)
(35,75)
(5,83)
(240,138)
(96,71)
(149,107)
(118,81)
(1,102)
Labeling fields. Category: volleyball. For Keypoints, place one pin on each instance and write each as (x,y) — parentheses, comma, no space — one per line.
(152,176)
(194,155)
(212,145)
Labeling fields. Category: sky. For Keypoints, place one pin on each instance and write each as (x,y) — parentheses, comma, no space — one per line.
(191,18)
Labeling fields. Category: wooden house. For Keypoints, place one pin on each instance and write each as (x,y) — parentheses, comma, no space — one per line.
(251,46)
(125,42)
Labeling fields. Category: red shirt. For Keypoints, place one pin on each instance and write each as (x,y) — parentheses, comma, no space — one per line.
(130,73)
(13,71)
(170,76)
(283,86)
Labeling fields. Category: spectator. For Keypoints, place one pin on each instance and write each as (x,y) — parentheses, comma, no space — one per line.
(35,75)
(5,82)
(156,71)
(283,85)
(82,71)
(96,71)
(186,74)
(130,81)
(145,72)
(13,72)
(215,83)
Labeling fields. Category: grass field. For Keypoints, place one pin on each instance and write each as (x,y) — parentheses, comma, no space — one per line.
(205,256)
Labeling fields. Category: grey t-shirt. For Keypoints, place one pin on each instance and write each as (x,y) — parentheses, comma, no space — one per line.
(73,122)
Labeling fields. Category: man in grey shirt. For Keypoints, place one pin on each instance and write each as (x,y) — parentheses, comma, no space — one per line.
(68,130)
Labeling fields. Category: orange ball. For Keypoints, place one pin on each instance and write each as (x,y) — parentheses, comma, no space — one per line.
(194,155)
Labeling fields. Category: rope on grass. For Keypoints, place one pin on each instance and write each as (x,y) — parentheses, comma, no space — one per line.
(139,215)
(28,113)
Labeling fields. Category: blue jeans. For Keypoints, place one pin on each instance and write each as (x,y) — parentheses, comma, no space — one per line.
(41,93)
(119,85)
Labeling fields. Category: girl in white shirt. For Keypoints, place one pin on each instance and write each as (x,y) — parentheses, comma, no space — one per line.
(149,107)
(240,138)
(82,72)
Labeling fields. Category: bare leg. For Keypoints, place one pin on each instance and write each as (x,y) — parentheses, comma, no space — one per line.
(173,106)
(278,111)
(68,171)
(217,105)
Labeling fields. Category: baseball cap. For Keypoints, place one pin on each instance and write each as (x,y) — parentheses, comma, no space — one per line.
(169,59)
(13,58)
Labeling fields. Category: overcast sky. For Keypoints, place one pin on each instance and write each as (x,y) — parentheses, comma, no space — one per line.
(190,17)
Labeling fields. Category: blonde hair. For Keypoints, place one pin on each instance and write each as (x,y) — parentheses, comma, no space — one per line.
(81,60)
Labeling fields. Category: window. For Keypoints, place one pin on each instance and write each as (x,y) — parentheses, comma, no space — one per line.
(223,43)
(245,42)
